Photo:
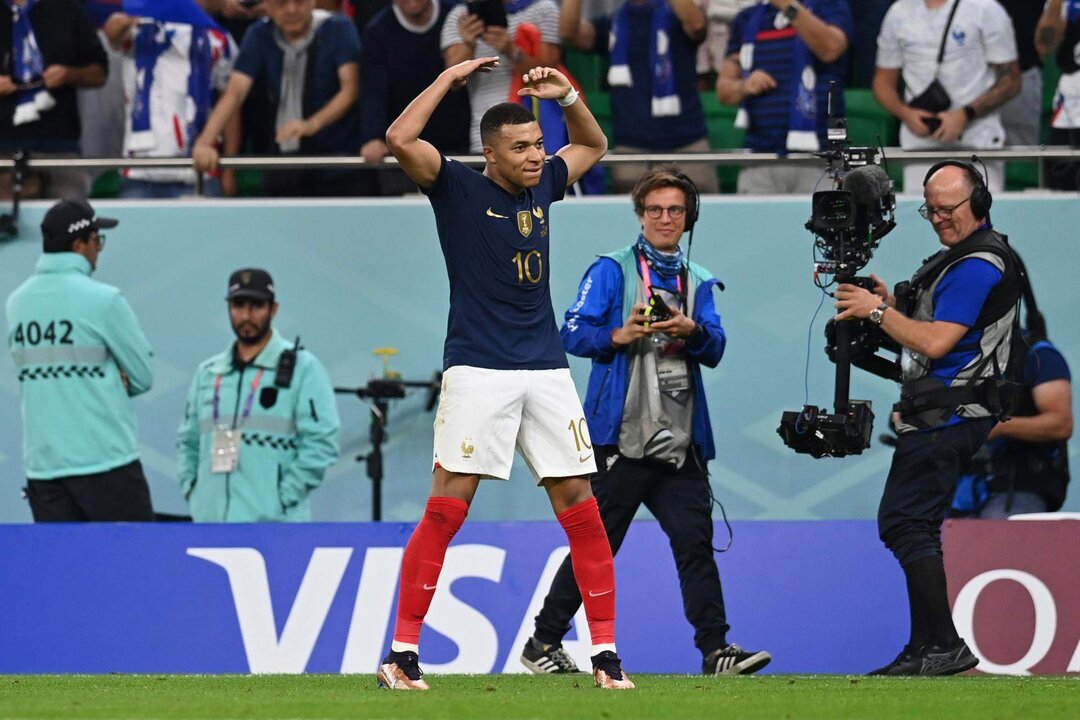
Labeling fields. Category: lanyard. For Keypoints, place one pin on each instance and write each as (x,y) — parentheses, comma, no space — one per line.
(646,280)
(247,403)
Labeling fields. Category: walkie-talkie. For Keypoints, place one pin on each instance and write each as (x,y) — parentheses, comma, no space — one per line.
(285,366)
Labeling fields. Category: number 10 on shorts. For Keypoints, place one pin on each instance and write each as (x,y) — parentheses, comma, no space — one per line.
(580,431)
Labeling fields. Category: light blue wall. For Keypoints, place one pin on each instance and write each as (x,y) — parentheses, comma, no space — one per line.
(353,276)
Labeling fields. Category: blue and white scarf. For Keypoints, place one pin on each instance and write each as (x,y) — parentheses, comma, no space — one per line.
(665,98)
(666,265)
(802,133)
(152,40)
(201,58)
(1072,11)
(33,99)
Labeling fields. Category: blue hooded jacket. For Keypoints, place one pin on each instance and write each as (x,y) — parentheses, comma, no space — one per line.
(603,304)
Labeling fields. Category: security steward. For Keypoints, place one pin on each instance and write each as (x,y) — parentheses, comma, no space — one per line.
(261,424)
(954,321)
(81,357)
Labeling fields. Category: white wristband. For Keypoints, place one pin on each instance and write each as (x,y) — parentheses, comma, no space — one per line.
(569,98)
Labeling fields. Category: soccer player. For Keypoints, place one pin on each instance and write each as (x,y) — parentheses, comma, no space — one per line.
(506,379)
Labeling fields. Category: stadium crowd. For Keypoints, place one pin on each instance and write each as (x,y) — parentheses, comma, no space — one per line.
(206,78)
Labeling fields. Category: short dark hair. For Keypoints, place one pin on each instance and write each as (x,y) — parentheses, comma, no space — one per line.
(660,177)
(505,113)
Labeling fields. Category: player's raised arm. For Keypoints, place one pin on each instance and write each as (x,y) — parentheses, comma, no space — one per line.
(419,158)
(587,141)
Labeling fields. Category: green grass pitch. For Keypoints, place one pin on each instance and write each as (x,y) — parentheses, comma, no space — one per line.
(675,697)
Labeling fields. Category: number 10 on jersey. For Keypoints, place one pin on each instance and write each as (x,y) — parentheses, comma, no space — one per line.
(525,263)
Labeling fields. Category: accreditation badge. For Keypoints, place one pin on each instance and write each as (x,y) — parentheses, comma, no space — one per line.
(225,450)
(672,371)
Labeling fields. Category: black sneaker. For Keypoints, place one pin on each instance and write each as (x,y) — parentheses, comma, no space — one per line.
(608,673)
(401,671)
(907,662)
(937,660)
(544,659)
(733,660)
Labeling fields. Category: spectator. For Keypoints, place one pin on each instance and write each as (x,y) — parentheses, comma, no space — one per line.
(309,60)
(259,431)
(959,66)
(1059,31)
(81,357)
(655,107)
(170,70)
(464,37)
(48,48)
(781,59)
(1022,116)
(400,58)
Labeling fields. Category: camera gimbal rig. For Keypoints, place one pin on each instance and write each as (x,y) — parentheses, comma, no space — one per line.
(848,223)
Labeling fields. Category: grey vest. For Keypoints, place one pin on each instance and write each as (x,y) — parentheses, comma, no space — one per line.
(995,343)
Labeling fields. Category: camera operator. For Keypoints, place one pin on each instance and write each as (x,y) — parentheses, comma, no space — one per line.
(954,323)
(261,425)
(650,425)
(1025,466)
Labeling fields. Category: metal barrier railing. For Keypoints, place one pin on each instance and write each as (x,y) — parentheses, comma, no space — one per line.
(720,158)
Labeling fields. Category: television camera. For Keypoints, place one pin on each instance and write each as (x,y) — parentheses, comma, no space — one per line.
(848,223)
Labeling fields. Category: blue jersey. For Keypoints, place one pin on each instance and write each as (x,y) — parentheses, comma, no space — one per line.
(496,249)
(773,52)
(959,298)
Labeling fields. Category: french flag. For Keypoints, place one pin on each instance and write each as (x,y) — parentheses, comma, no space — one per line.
(178,11)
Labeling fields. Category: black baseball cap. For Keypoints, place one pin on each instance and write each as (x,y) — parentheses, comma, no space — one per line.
(67,220)
(251,283)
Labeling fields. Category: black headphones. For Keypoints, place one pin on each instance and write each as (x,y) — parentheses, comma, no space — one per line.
(693,199)
(981,199)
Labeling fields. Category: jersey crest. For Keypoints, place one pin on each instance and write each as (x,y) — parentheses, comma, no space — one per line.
(524,223)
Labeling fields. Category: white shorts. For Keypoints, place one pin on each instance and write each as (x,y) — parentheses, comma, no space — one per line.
(483,414)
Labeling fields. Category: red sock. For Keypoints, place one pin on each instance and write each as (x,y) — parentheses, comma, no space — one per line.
(422,563)
(590,556)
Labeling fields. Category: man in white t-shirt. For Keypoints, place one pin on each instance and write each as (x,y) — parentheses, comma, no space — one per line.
(464,37)
(979,71)
(1058,32)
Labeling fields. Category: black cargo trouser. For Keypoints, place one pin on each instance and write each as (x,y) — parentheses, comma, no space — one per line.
(681,502)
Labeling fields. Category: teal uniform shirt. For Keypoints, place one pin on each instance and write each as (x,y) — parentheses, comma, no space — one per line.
(81,357)
(288,438)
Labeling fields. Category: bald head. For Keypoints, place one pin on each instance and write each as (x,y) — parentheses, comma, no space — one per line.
(948,201)
(952,175)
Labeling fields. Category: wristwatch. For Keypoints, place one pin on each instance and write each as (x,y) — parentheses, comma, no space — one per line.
(792,10)
(878,313)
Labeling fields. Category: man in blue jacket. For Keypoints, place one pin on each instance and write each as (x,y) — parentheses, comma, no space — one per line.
(81,357)
(647,416)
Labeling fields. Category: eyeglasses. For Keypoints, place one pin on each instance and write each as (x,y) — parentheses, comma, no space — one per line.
(945,213)
(656,211)
(101,240)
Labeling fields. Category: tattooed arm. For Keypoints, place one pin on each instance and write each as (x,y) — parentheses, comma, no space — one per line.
(1051,29)
(1006,86)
